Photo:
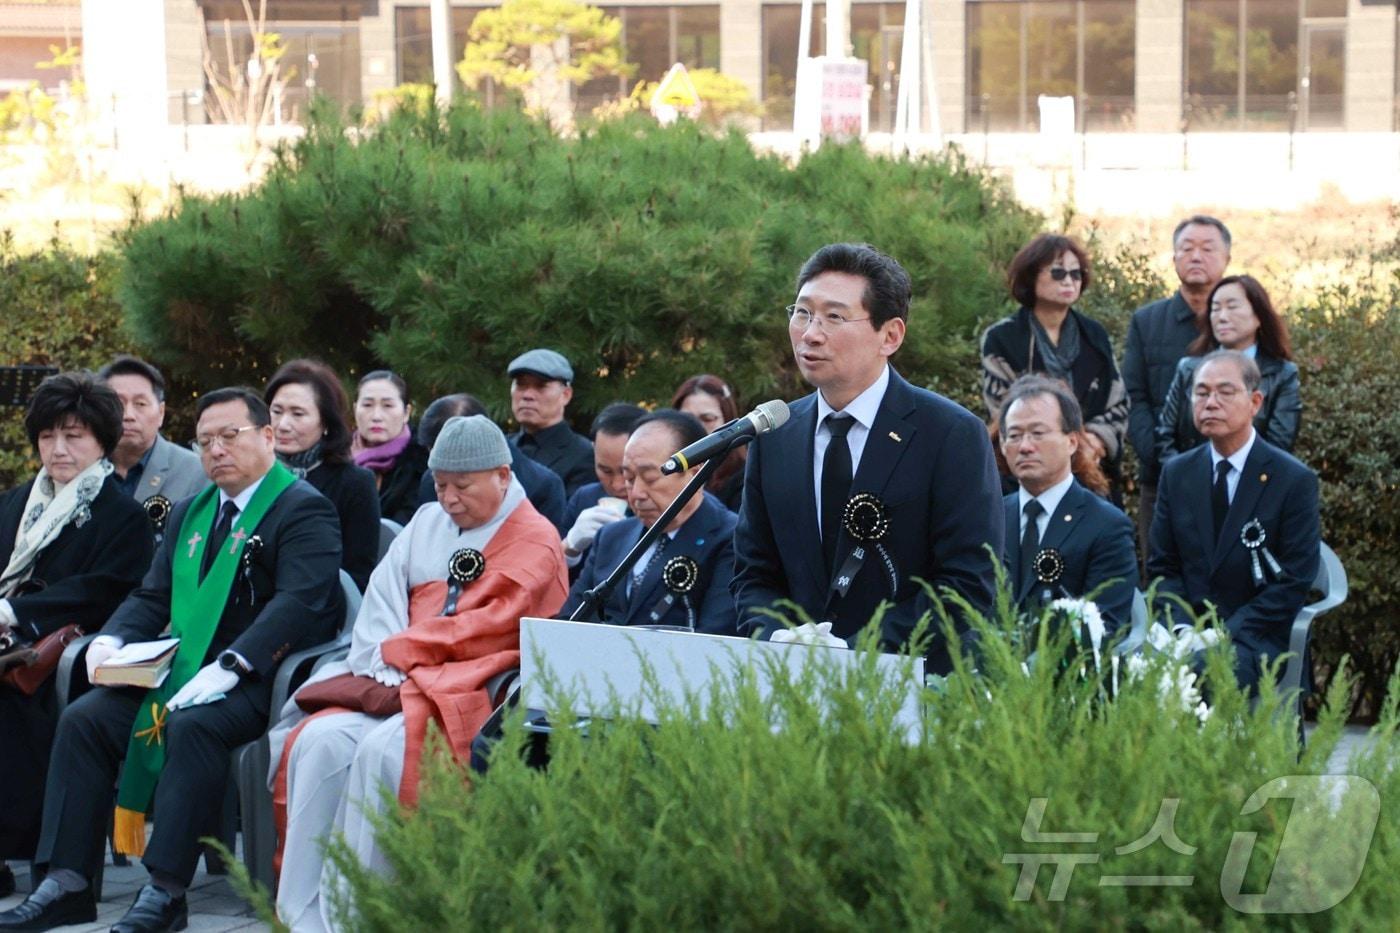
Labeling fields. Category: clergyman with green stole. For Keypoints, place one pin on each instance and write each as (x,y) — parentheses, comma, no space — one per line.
(248,572)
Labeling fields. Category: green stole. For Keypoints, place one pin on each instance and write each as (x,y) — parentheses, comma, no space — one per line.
(195,610)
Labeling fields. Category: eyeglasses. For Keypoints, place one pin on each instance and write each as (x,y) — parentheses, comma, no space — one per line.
(800,319)
(1035,437)
(225,438)
(1058,274)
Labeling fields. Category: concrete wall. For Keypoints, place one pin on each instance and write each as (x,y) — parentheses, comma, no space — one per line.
(1370,66)
(1159,65)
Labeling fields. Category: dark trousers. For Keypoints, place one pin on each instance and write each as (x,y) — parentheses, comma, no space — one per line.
(1147,504)
(92,739)
(26,737)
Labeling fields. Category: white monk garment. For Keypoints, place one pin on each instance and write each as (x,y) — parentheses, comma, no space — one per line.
(338,762)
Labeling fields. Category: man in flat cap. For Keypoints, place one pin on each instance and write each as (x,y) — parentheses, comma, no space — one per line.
(440,618)
(541,385)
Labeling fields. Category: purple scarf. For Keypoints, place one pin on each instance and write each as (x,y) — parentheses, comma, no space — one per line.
(381,459)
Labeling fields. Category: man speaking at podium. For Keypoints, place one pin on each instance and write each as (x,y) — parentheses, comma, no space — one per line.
(873,484)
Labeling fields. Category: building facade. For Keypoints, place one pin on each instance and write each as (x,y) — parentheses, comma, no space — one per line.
(1155,66)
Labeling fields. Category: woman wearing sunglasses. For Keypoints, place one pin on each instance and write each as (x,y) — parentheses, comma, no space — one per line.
(1048,336)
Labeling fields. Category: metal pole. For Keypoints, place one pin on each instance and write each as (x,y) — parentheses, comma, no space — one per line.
(440,19)
(185,117)
(986,126)
(1292,124)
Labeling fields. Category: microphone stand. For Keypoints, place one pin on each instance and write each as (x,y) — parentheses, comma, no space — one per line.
(591,609)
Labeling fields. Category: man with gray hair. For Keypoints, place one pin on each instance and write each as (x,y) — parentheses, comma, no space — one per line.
(440,618)
(1236,524)
(1158,336)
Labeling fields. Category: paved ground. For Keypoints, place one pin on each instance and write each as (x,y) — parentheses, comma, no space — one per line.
(214,908)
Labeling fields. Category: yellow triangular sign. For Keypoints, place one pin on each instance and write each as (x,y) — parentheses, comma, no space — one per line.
(676,89)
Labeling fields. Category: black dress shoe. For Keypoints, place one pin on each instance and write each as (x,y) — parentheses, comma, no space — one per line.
(7,880)
(155,911)
(39,912)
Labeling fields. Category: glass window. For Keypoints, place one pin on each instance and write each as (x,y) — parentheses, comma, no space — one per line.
(654,38)
(1242,62)
(697,36)
(1019,50)
(413,41)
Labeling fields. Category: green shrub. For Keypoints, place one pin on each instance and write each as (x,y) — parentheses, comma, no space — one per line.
(59,310)
(443,246)
(808,811)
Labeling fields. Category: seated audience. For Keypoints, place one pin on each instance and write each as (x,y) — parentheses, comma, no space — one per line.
(308,408)
(384,443)
(710,399)
(543,487)
(146,463)
(440,618)
(541,386)
(594,505)
(1241,318)
(683,579)
(1236,524)
(261,549)
(1048,336)
(1071,541)
(72,544)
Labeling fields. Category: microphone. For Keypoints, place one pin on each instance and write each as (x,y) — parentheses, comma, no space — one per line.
(764,418)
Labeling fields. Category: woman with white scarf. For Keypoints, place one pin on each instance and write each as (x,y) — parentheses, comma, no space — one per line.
(72,545)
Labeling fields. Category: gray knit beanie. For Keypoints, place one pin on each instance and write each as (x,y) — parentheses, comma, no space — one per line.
(468,444)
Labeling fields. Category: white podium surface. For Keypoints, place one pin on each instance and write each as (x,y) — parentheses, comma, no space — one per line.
(595,663)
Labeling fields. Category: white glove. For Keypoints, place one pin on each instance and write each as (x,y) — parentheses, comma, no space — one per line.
(810,635)
(100,649)
(386,674)
(580,537)
(210,684)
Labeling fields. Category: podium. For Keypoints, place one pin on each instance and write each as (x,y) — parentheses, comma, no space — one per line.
(601,666)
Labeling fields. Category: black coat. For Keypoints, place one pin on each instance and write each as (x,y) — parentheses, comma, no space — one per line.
(351,490)
(288,599)
(398,488)
(82,576)
(1097,544)
(1277,421)
(86,571)
(1158,337)
(1192,563)
(930,461)
(568,454)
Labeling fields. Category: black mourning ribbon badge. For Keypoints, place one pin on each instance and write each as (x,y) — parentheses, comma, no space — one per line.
(157,513)
(680,575)
(867,521)
(1049,566)
(464,566)
(1252,536)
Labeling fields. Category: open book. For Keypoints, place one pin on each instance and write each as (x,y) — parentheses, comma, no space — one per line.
(140,664)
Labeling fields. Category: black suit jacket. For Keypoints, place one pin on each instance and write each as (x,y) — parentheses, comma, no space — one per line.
(86,571)
(288,599)
(929,460)
(1275,489)
(1096,542)
(568,454)
(707,537)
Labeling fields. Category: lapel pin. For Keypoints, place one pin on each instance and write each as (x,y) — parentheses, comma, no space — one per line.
(1263,477)
(155,480)
(699,542)
(895,437)
(1069,518)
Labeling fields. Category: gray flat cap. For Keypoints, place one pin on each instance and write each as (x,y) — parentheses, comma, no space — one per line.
(544,363)
(467,444)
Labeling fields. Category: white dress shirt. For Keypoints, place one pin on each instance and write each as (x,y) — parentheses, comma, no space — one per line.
(1237,459)
(1049,500)
(863,408)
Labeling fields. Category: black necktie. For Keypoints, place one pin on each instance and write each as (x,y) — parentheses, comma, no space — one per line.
(836,484)
(1220,496)
(1030,542)
(218,536)
(657,551)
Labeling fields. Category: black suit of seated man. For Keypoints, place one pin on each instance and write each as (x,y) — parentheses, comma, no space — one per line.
(1085,542)
(284,596)
(918,458)
(1215,500)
